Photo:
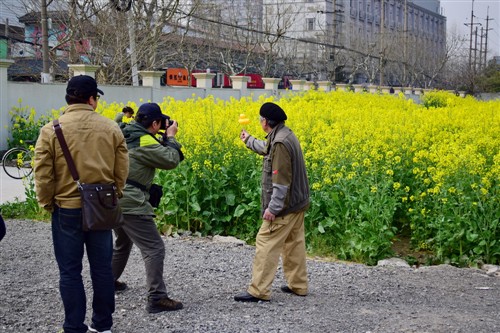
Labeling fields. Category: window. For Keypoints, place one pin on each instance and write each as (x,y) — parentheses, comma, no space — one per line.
(354,12)
(310,24)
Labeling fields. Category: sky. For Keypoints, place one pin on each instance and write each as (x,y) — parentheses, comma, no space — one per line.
(458,12)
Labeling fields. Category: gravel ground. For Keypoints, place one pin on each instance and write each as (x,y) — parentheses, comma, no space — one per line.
(205,275)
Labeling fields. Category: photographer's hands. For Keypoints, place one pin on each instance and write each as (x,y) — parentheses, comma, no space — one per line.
(172,129)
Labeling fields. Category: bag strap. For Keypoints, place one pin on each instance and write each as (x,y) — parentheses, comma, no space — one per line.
(166,143)
(65,149)
(137,184)
(156,138)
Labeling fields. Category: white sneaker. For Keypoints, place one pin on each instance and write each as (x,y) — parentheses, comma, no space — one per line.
(91,329)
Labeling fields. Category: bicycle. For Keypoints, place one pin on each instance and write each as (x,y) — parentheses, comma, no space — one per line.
(17,162)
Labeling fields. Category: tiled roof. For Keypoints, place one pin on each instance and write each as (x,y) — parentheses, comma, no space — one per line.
(33,67)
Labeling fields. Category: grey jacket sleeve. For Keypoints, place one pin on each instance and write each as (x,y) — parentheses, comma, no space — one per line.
(277,203)
(256,145)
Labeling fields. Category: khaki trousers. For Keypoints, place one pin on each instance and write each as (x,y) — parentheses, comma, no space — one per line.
(284,236)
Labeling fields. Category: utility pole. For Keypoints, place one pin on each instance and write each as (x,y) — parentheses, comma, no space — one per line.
(381,60)
(487,29)
(472,67)
(471,30)
(133,48)
(405,32)
(475,52)
(46,77)
(481,48)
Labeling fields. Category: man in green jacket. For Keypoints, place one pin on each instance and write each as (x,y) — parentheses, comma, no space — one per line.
(146,154)
(285,198)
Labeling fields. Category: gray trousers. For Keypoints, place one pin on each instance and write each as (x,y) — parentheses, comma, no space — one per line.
(141,231)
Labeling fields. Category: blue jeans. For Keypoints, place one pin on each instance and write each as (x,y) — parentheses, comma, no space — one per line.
(2,227)
(69,241)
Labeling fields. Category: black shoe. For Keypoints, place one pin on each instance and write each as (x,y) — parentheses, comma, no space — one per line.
(120,286)
(246,297)
(163,304)
(286,289)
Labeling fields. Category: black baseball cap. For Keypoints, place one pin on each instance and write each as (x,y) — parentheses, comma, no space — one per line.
(83,86)
(151,111)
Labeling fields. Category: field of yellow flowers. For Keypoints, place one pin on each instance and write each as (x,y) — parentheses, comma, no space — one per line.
(379,166)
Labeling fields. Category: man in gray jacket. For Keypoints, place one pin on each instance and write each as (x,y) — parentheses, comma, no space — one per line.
(285,198)
(146,154)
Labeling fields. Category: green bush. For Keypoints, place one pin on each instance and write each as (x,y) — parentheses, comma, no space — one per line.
(24,126)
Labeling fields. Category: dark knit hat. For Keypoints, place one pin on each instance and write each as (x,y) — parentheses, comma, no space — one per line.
(272,111)
(83,86)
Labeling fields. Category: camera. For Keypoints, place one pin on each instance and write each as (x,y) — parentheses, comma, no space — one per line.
(166,123)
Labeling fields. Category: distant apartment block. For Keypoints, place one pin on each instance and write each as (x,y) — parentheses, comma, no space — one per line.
(394,29)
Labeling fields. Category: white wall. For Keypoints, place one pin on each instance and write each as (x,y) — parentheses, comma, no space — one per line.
(46,97)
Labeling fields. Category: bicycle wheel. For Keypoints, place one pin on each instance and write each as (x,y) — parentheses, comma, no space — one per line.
(16,163)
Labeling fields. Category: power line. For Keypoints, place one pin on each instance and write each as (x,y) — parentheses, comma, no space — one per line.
(267,33)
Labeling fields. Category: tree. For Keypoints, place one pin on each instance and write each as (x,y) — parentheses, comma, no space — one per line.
(277,19)
(490,78)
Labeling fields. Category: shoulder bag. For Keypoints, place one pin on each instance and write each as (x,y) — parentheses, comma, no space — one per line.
(100,208)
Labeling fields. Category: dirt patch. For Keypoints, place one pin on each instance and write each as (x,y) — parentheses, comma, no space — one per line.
(403,249)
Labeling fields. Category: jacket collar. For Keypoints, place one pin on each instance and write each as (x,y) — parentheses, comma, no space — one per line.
(270,136)
(78,107)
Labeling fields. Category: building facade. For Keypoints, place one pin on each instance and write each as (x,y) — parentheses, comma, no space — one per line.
(11,30)
(383,42)
(369,41)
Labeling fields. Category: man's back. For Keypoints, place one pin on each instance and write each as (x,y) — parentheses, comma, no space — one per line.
(97,147)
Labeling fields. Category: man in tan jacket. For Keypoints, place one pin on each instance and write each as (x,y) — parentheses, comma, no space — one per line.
(100,153)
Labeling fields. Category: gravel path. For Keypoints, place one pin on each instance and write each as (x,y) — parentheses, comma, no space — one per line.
(205,276)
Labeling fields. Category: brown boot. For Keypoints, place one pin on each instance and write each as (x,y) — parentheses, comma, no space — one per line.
(163,304)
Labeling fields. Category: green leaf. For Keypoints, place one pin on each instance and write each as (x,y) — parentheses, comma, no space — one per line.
(230,199)
(478,250)
(471,237)
(240,209)
(195,206)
